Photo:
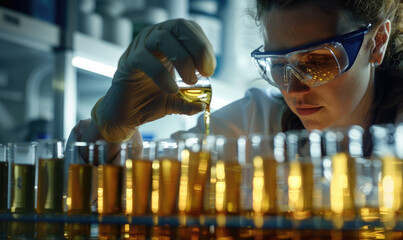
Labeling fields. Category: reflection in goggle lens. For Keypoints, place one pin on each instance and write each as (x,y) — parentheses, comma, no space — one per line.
(312,67)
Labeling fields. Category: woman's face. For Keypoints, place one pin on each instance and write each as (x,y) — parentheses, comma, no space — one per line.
(343,101)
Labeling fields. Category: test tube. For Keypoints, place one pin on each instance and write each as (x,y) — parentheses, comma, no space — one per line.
(3,178)
(344,147)
(264,173)
(80,178)
(51,174)
(110,177)
(165,177)
(194,184)
(80,186)
(22,159)
(389,173)
(229,158)
(299,174)
(138,178)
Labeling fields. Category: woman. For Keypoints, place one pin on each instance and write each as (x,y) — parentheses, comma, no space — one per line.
(336,64)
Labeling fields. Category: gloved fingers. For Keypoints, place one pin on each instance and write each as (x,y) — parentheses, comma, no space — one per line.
(154,68)
(192,37)
(163,41)
(179,106)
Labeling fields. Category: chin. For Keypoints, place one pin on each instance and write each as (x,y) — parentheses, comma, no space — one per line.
(312,125)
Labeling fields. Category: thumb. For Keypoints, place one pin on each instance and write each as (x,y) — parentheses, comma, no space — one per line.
(179,106)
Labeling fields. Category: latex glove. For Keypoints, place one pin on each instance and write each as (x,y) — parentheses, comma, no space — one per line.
(143,88)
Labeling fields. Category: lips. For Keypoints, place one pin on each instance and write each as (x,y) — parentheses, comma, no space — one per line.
(305,110)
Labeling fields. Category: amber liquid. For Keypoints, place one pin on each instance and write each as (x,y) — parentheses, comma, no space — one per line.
(194,166)
(22,188)
(300,189)
(138,181)
(390,189)
(79,189)
(3,186)
(165,181)
(110,189)
(202,95)
(264,185)
(228,187)
(50,185)
(342,188)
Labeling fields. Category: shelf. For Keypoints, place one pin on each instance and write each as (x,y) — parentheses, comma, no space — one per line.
(96,49)
(271,222)
(27,31)
(36,34)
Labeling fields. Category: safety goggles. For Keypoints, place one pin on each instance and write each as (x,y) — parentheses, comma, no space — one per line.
(313,64)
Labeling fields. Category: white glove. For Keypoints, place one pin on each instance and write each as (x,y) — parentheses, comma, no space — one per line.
(143,87)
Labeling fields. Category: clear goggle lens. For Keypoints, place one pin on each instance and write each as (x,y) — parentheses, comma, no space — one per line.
(313,66)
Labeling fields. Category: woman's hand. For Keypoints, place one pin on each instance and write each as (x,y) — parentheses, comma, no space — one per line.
(143,88)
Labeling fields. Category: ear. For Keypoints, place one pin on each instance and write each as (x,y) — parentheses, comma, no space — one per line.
(380,41)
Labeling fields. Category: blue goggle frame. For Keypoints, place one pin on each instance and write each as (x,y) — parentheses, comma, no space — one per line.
(351,43)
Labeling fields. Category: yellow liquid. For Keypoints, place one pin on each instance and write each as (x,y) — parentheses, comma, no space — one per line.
(202,95)
(228,187)
(342,185)
(110,189)
(390,187)
(3,185)
(264,185)
(50,185)
(300,189)
(165,181)
(138,180)
(22,188)
(79,189)
(193,179)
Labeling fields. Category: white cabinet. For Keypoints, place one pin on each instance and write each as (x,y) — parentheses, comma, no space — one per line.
(39,86)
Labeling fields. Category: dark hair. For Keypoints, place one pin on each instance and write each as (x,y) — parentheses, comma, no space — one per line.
(364,11)
(388,80)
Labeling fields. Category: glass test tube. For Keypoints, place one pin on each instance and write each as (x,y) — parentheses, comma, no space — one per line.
(299,175)
(229,158)
(4,178)
(51,174)
(194,184)
(80,178)
(22,157)
(165,177)
(344,147)
(266,151)
(138,178)
(389,172)
(111,163)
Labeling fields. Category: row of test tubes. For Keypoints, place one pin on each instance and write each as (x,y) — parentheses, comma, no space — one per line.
(338,174)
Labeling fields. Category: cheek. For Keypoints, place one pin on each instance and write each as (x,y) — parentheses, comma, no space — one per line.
(346,92)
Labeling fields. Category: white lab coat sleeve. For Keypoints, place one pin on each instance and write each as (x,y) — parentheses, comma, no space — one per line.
(259,111)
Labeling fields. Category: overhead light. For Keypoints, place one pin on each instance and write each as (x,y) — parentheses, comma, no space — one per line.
(93,66)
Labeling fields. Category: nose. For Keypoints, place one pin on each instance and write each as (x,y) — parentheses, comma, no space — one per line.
(295,82)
